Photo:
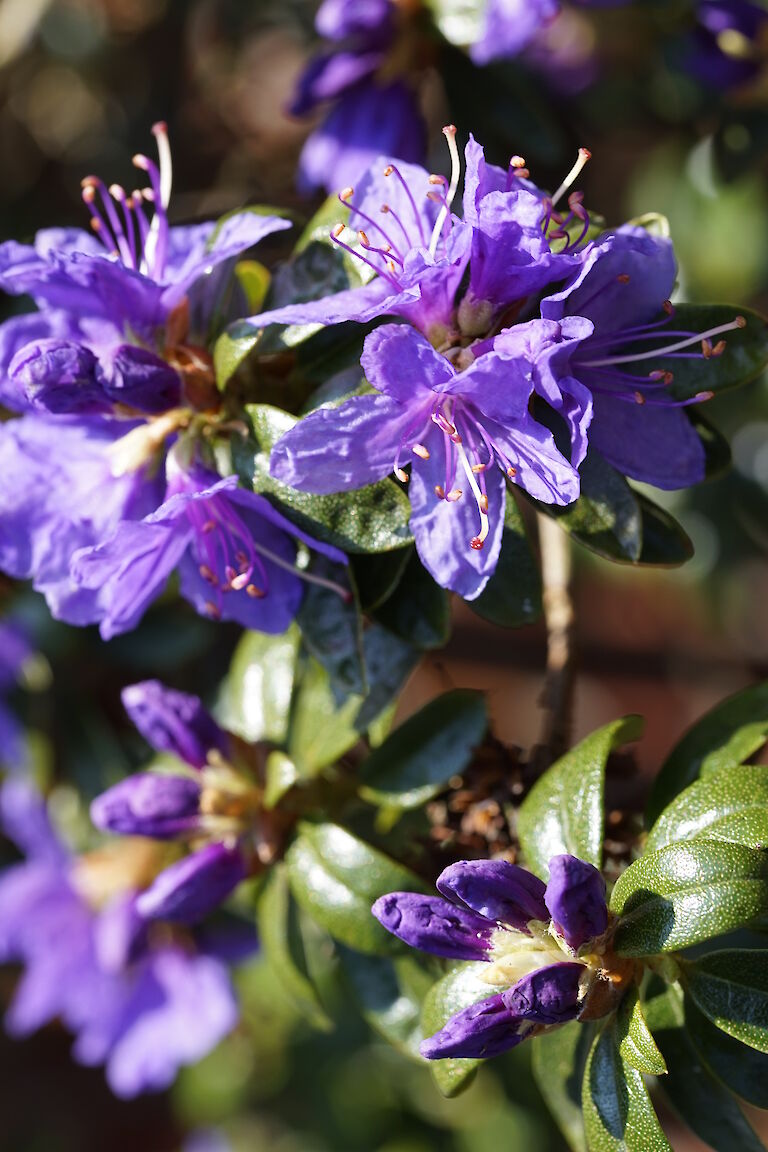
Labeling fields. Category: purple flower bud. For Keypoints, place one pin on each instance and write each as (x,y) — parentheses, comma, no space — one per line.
(191,888)
(174,722)
(149,805)
(575,898)
(142,380)
(59,376)
(434,925)
(548,995)
(497,890)
(485,1029)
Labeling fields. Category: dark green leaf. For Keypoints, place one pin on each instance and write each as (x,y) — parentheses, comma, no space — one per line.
(636,1043)
(606,518)
(717,450)
(416,762)
(559,1058)
(256,699)
(390,991)
(744,358)
(731,804)
(724,737)
(460,987)
(336,877)
(332,627)
(740,1068)
(388,662)
(418,610)
(377,575)
(371,519)
(701,1100)
(687,893)
(731,988)
(512,596)
(665,543)
(618,1114)
(563,812)
(280,935)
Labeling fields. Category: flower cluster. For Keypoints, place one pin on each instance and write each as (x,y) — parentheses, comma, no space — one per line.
(546,947)
(514,317)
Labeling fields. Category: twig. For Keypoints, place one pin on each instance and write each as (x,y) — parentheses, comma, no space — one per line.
(557,695)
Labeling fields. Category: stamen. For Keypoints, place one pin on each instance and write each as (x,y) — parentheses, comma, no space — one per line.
(160,133)
(401,474)
(482,501)
(385,274)
(584,156)
(739,322)
(391,170)
(439,491)
(421,451)
(450,135)
(454,495)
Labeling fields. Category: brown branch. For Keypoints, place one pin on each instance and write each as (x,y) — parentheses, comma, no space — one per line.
(557,694)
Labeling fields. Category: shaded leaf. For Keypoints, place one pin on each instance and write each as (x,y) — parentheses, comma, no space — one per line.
(377,575)
(687,893)
(512,596)
(731,804)
(743,1070)
(460,987)
(665,542)
(606,518)
(745,356)
(563,812)
(332,627)
(618,1114)
(416,761)
(636,1043)
(390,991)
(559,1058)
(280,776)
(256,697)
(322,724)
(731,989)
(418,610)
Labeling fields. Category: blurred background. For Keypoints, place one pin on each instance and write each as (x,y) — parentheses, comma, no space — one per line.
(81,81)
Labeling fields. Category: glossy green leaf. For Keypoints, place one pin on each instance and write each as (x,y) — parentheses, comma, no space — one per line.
(254,279)
(727,735)
(636,1043)
(322,722)
(744,358)
(418,610)
(717,450)
(618,1114)
(371,519)
(232,349)
(606,518)
(741,1069)
(687,893)
(665,542)
(281,938)
(390,992)
(332,626)
(418,759)
(731,804)
(389,661)
(708,1109)
(731,989)
(336,877)
(559,1058)
(512,596)
(563,812)
(280,776)
(256,697)
(461,986)
(377,575)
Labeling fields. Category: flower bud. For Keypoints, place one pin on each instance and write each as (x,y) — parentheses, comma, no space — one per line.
(575,898)
(174,722)
(59,376)
(140,379)
(149,805)
(191,888)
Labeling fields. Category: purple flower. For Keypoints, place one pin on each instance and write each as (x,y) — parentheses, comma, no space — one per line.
(234,553)
(623,286)
(157,805)
(726,50)
(368,115)
(188,890)
(175,722)
(462,432)
(512,26)
(15,651)
(531,936)
(141,1005)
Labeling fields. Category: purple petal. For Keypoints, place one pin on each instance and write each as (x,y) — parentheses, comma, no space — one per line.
(149,804)
(119,934)
(140,379)
(59,376)
(401,363)
(174,722)
(333,449)
(510,25)
(540,467)
(547,996)
(191,888)
(575,897)
(339,19)
(434,925)
(362,304)
(24,820)
(480,1031)
(496,889)
(444,529)
(655,444)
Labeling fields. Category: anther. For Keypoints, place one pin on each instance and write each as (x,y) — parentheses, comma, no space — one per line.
(511,471)
(479,468)
(708,395)
(401,475)
(421,451)
(668,307)
(240,582)
(477,543)
(740,322)
(337,231)
(208,574)
(435,179)
(254,592)
(363,238)
(209,526)
(639,398)
(439,491)
(719,348)
(212,610)
(389,169)
(346,193)
(623,278)
(454,495)
(483,503)
(517,162)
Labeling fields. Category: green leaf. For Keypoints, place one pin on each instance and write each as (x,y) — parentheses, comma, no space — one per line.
(232,349)
(460,987)
(665,543)
(731,989)
(636,1044)
(606,518)
(687,893)
(281,938)
(418,610)
(371,519)
(332,627)
(559,1058)
(390,991)
(254,279)
(708,1109)
(724,737)
(256,697)
(280,776)
(377,575)
(388,663)
(418,759)
(563,812)
(512,596)
(336,878)
(322,725)
(745,356)
(731,804)
(717,450)
(618,1114)
(743,1070)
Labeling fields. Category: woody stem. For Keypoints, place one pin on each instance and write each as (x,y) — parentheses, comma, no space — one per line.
(557,694)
